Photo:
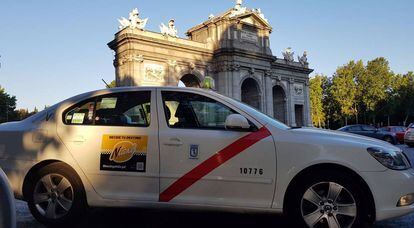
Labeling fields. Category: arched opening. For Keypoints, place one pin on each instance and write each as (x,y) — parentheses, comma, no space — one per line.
(189,80)
(279,104)
(250,93)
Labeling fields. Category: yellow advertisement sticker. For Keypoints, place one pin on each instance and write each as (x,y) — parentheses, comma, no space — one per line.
(124,153)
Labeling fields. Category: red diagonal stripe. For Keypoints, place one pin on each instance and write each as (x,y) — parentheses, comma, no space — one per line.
(212,163)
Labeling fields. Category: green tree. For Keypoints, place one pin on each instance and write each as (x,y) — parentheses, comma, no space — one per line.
(374,85)
(344,89)
(22,114)
(404,96)
(112,84)
(7,106)
(316,99)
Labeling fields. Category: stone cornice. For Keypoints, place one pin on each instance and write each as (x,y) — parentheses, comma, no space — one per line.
(243,53)
(158,39)
(295,67)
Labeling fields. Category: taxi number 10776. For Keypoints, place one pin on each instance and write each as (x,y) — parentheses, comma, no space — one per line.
(251,171)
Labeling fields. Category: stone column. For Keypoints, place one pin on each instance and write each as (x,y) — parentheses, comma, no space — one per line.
(292,103)
(307,108)
(237,76)
(172,73)
(269,94)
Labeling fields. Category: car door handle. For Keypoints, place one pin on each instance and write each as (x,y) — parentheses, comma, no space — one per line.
(78,139)
(174,142)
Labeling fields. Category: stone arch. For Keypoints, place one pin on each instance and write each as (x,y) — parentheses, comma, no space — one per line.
(251,93)
(190,80)
(279,103)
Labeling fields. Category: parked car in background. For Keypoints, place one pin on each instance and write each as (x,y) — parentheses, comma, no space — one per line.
(409,136)
(370,131)
(398,130)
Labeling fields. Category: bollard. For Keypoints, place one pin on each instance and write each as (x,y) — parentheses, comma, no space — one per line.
(7,206)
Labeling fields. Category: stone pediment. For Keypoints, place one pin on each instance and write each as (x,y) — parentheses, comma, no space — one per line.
(255,20)
(250,17)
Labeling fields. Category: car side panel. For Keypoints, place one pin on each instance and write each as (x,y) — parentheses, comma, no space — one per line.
(297,151)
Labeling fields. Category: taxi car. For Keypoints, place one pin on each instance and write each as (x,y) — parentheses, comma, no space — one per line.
(193,148)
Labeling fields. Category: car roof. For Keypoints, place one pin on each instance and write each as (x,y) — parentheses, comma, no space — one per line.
(136,88)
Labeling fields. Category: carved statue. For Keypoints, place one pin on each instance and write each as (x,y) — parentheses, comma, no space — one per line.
(303,59)
(259,12)
(169,30)
(288,54)
(133,21)
(238,9)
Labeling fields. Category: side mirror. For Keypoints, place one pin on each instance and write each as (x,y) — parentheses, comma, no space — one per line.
(237,122)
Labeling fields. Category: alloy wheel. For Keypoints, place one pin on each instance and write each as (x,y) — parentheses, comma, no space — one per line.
(53,196)
(328,204)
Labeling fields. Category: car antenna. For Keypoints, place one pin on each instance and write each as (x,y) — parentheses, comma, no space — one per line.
(106,84)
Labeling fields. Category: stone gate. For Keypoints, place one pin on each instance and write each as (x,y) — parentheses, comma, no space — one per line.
(233,48)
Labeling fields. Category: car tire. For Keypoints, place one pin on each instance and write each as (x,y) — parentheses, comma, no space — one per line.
(410,144)
(389,139)
(55,195)
(324,208)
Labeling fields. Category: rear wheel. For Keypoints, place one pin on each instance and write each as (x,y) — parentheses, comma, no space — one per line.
(55,195)
(410,144)
(389,139)
(328,199)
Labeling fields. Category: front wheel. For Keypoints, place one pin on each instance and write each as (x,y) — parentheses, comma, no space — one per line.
(327,199)
(55,195)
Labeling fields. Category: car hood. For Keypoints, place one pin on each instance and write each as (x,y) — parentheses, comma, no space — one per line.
(329,136)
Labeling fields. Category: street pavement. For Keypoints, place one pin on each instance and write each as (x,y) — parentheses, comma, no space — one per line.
(162,218)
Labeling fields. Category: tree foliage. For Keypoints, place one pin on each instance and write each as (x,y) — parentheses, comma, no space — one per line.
(370,94)
(316,100)
(7,106)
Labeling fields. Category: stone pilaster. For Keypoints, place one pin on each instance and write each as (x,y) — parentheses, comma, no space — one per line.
(292,117)
(308,117)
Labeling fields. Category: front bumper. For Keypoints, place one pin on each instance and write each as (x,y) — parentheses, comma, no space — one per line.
(409,139)
(387,188)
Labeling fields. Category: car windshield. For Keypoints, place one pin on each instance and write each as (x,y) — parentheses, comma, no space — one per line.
(268,119)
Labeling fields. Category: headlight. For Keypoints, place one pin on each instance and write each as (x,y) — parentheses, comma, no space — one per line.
(391,159)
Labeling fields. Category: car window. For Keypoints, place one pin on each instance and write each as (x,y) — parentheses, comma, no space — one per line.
(119,109)
(188,110)
(398,129)
(81,114)
(387,129)
(354,128)
(368,128)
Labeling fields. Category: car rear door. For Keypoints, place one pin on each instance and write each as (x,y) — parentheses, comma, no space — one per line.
(114,138)
(203,163)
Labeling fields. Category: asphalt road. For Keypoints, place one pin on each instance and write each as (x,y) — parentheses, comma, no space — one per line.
(155,218)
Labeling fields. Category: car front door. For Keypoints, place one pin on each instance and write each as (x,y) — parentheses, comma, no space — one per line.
(371,131)
(203,163)
(114,139)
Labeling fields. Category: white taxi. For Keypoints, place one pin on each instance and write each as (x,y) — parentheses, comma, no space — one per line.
(193,148)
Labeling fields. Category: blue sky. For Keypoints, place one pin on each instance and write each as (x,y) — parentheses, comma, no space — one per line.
(51,50)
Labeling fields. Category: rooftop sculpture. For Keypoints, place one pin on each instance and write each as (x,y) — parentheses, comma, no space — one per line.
(169,30)
(133,21)
(288,54)
(303,59)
